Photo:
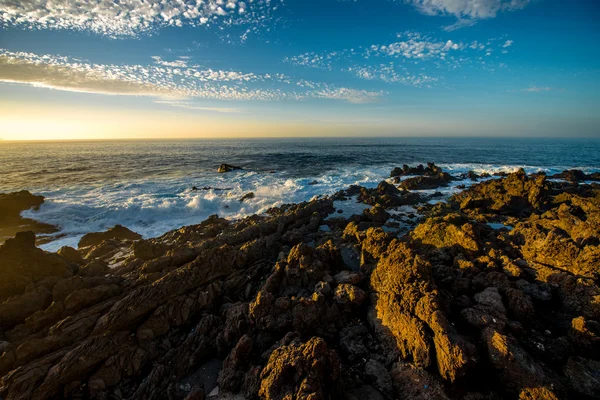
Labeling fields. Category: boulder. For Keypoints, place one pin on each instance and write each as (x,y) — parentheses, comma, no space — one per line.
(21,263)
(12,204)
(117,232)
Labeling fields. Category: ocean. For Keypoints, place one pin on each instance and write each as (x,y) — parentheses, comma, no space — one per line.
(147,185)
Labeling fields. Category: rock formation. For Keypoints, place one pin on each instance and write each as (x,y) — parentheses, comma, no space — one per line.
(274,307)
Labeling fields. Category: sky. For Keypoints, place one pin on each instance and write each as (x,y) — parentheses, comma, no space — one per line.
(93,69)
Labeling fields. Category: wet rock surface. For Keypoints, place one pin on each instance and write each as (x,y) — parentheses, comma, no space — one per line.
(275,307)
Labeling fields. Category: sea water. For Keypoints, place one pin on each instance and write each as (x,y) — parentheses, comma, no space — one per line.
(147,185)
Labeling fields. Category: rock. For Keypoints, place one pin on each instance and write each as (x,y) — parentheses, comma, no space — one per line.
(227,168)
(12,204)
(425,182)
(586,335)
(71,255)
(516,367)
(352,278)
(346,294)
(94,268)
(447,237)
(491,297)
(514,195)
(302,371)
(380,376)
(584,376)
(148,249)
(117,232)
(247,196)
(15,310)
(573,175)
(406,309)
(414,383)
(21,263)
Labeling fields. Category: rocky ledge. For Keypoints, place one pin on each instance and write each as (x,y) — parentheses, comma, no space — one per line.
(11,222)
(493,295)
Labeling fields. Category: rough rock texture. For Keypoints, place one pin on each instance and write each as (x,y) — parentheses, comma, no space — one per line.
(276,307)
(116,232)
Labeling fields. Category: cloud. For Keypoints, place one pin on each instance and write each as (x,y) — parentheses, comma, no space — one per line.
(537,89)
(350,95)
(116,18)
(413,55)
(164,82)
(467,12)
(189,106)
(508,43)
(391,73)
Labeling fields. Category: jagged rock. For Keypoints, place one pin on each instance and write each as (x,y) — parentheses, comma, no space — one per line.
(515,366)
(406,308)
(346,294)
(16,309)
(584,376)
(415,383)
(514,195)
(117,232)
(586,335)
(492,298)
(447,237)
(387,195)
(94,268)
(21,264)
(227,168)
(426,182)
(149,250)
(301,371)
(380,375)
(71,255)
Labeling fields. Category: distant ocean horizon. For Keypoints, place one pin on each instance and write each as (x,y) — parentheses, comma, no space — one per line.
(146,185)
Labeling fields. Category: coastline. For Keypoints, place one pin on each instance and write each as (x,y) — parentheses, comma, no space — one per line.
(418,293)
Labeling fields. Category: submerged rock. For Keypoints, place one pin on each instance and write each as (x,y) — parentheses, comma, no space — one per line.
(227,168)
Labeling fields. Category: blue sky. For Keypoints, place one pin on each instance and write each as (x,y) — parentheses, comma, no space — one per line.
(381,67)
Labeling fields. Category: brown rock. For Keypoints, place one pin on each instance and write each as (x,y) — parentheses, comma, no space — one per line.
(117,232)
(301,371)
(21,264)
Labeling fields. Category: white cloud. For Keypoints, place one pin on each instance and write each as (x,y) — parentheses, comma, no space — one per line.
(391,73)
(130,17)
(174,84)
(508,43)
(467,12)
(537,89)
(350,95)
(180,63)
(418,47)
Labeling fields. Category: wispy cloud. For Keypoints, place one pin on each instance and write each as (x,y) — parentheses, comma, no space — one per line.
(392,73)
(467,12)
(116,18)
(539,89)
(164,81)
(412,53)
(349,95)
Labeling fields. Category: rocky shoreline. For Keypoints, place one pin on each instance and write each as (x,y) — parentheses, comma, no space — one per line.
(491,294)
